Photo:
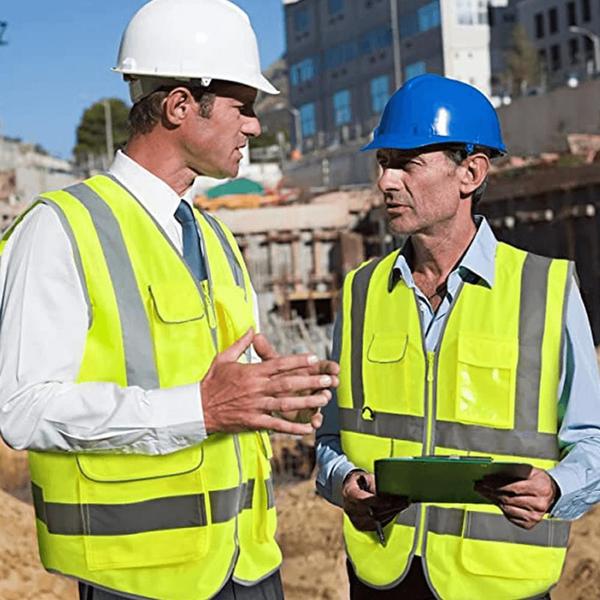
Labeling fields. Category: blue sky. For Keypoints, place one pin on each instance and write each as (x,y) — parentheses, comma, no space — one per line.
(59,57)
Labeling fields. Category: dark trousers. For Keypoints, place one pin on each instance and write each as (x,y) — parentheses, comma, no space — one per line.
(268,589)
(412,587)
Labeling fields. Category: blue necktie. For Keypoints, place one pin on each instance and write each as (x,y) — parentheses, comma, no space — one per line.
(192,253)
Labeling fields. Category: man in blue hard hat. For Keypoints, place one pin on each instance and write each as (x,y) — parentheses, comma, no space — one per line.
(460,345)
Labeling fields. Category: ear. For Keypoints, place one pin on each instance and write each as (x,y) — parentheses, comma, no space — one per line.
(476,169)
(177,106)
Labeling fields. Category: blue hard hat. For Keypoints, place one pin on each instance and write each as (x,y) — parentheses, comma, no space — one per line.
(430,109)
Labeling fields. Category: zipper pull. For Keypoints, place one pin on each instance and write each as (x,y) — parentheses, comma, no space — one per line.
(210,309)
(430,365)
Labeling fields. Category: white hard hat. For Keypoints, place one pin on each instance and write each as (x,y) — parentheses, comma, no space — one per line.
(175,41)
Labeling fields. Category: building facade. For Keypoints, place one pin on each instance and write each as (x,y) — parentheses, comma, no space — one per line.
(346,57)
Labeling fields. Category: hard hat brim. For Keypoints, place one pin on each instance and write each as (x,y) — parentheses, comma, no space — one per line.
(392,142)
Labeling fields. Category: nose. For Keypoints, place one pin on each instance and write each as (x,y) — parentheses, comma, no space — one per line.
(251,127)
(390,180)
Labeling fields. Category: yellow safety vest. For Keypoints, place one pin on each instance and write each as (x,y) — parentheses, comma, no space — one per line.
(168,527)
(489,389)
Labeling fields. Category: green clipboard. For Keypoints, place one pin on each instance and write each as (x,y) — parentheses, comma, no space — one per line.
(442,479)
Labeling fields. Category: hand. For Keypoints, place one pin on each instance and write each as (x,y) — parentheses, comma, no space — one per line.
(523,502)
(240,397)
(364,507)
(323,367)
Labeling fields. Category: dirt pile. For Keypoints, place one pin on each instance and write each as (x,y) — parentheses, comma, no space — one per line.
(21,574)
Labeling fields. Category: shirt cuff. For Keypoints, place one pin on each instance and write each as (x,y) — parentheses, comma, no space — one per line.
(330,487)
(573,496)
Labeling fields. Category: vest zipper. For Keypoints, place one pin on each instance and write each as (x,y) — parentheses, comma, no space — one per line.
(430,377)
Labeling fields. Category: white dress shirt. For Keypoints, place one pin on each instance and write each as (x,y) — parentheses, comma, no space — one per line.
(43,328)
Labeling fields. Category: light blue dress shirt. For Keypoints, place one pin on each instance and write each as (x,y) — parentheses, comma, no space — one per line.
(578,473)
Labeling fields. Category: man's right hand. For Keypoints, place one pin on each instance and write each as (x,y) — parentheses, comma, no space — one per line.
(240,397)
(364,507)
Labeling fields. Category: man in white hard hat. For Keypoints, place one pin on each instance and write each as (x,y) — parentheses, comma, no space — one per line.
(128,320)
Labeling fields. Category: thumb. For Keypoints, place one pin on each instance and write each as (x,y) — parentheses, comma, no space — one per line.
(233,353)
(263,347)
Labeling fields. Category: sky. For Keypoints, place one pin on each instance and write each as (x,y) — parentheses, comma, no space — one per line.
(59,55)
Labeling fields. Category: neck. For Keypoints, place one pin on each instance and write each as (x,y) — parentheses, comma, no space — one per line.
(436,252)
(158,156)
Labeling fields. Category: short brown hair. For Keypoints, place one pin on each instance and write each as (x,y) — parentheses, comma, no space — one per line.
(147,112)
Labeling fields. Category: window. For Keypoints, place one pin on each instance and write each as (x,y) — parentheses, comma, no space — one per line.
(303,71)
(588,48)
(472,12)
(340,55)
(301,20)
(586,11)
(308,120)
(375,40)
(571,13)
(574,51)
(428,16)
(543,58)
(553,20)
(414,69)
(380,93)
(555,61)
(539,26)
(335,6)
(342,111)
(409,25)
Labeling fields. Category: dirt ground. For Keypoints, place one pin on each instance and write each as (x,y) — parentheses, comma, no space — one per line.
(309,533)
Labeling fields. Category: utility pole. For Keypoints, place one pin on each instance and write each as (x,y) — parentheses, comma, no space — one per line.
(3,26)
(396,44)
(595,39)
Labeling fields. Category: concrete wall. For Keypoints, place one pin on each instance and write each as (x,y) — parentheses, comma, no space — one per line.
(535,124)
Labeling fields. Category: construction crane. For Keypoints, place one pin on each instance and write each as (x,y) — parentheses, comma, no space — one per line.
(3,26)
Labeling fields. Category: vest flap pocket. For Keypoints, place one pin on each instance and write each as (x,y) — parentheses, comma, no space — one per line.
(493,546)
(387,347)
(114,468)
(176,303)
(486,352)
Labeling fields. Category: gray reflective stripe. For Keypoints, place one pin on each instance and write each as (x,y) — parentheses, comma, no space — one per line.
(120,519)
(549,533)
(234,265)
(137,339)
(445,521)
(496,441)
(390,425)
(534,291)
(408,516)
(173,512)
(360,287)
(75,249)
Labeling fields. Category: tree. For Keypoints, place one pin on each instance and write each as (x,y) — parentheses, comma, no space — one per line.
(91,132)
(523,66)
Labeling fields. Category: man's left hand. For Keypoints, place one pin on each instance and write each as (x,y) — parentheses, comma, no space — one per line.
(523,502)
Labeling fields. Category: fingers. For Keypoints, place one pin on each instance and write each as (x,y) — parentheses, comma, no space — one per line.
(328,367)
(316,420)
(263,347)
(233,353)
(300,383)
(283,364)
(283,426)
(294,403)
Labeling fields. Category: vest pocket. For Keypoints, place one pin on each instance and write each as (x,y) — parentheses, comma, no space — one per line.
(508,557)
(143,511)
(176,303)
(485,381)
(234,314)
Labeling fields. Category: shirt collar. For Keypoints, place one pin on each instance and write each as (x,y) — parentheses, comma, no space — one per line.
(157,197)
(476,266)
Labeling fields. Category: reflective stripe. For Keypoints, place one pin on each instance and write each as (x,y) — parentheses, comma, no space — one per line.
(472,525)
(532,317)
(488,440)
(158,514)
(390,425)
(74,248)
(234,265)
(360,287)
(137,339)
(409,516)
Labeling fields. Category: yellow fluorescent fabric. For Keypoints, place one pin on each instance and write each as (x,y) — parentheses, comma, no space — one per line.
(168,527)
(489,389)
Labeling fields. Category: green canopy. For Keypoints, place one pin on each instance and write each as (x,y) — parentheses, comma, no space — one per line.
(235,187)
